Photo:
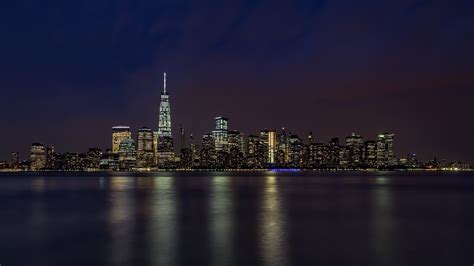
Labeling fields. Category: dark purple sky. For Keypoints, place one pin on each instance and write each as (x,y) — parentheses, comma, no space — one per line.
(70,70)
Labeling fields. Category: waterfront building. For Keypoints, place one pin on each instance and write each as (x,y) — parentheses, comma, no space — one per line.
(37,156)
(220,134)
(343,157)
(319,155)
(370,153)
(272,147)
(70,161)
(127,155)
(145,150)
(119,134)
(385,152)
(194,150)
(208,151)
(165,150)
(283,148)
(334,152)
(14,160)
(355,149)
(296,151)
(236,149)
(51,161)
(256,153)
(412,161)
(92,159)
(264,143)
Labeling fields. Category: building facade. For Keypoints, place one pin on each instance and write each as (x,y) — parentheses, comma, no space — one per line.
(119,134)
(165,147)
(37,156)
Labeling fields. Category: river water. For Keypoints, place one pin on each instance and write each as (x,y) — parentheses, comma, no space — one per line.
(266,218)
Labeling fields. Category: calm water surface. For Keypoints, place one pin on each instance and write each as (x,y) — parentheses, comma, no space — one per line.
(237,219)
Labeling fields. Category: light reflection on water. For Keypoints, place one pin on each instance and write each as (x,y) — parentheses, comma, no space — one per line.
(221,220)
(163,229)
(121,219)
(229,219)
(272,227)
(383,222)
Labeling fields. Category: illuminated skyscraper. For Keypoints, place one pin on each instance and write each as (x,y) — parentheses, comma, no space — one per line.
(272,146)
(296,151)
(38,156)
(127,154)
(145,156)
(165,152)
(236,149)
(370,153)
(283,148)
(194,148)
(119,134)
(264,143)
(355,148)
(208,151)
(256,152)
(220,134)
(51,156)
(385,153)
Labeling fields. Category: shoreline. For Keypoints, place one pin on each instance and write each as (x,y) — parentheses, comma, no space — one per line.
(282,170)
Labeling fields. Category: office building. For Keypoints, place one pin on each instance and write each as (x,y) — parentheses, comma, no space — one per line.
(385,152)
(370,153)
(145,150)
(220,134)
(272,146)
(37,156)
(119,134)
(127,155)
(355,149)
(165,150)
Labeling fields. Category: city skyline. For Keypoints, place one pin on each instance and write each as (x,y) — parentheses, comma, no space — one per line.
(226,148)
(165,148)
(330,67)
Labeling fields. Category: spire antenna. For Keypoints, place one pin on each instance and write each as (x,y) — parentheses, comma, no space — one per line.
(164,82)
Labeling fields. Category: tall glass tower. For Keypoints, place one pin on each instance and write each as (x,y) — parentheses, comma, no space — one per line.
(164,127)
(165,152)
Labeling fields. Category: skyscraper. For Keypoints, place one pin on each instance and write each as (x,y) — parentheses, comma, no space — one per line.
(256,152)
(51,156)
(127,154)
(370,153)
(119,134)
(38,156)
(264,143)
(145,149)
(208,151)
(193,147)
(296,151)
(283,148)
(355,148)
(165,152)
(220,134)
(385,153)
(272,146)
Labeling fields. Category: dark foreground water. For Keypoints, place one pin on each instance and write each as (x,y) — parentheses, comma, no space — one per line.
(237,219)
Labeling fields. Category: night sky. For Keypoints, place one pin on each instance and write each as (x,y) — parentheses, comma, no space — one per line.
(70,70)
